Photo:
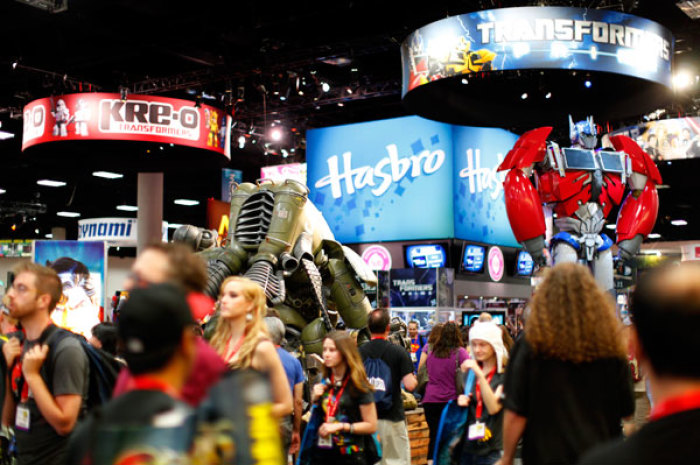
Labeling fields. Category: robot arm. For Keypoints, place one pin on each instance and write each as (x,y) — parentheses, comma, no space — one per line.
(639,210)
(523,202)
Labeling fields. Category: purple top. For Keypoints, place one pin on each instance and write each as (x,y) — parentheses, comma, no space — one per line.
(441,377)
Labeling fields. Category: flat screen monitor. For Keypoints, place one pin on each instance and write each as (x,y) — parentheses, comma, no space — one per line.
(498,316)
(524,264)
(426,256)
(473,258)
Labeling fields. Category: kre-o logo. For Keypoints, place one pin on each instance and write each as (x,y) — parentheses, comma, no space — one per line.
(426,162)
(481,179)
(142,117)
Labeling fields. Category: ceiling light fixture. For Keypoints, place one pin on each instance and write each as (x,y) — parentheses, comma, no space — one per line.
(610,226)
(174,225)
(325,86)
(465,81)
(68,214)
(48,236)
(186,202)
(548,95)
(524,95)
(654,236)
(50,183)
(107,175)
(2,191)
(588,84)
(127,208)
(679,222)
(276,134)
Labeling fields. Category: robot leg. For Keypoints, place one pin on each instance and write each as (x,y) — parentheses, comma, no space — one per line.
(564,253)
(603,271)
(350,300)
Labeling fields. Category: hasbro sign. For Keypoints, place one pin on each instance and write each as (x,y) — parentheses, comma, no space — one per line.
(409,179)
(380,181)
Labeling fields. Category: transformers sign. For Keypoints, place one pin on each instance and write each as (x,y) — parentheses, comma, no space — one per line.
(537,38)
(98,116)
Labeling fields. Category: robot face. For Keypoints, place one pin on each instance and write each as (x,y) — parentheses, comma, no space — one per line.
(583,133)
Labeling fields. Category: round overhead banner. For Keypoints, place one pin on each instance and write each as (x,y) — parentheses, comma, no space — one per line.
(533,66)
(537,38)
(147,118)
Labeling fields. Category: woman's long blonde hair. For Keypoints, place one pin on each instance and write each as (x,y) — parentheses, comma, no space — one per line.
(351,356)
(572,318)
(255,329)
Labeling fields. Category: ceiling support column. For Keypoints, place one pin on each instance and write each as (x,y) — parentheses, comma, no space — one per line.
(149,220)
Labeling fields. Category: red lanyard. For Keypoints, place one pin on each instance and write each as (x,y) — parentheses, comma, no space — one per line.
(687,401)
(147,383)
(235,349)
(334,400)
(479,401)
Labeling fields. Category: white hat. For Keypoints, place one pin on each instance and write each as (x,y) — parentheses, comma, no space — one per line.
(490,332)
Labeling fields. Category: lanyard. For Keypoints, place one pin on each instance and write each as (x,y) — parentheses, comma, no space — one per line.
(479,400)
(147,383)
(334,400)
(686,401)
(235,349)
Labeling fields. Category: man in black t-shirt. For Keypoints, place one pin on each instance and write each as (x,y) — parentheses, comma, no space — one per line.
(665,309)
(391,424)
(47,387)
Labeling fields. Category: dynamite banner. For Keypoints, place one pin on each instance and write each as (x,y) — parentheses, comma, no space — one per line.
(147,118)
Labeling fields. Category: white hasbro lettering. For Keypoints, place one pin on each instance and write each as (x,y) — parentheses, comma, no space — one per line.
(481,179)
(353,179)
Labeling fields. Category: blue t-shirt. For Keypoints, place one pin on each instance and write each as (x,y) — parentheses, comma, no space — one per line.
(292,367)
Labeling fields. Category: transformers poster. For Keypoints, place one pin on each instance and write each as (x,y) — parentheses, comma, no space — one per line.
(537,38)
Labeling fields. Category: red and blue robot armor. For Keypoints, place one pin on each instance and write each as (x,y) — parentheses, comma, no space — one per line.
(581,185)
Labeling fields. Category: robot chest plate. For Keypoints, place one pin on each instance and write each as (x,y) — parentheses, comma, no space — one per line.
(579,187)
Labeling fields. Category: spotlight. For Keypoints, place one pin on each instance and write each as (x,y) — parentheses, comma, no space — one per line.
(524,95)
(276,134)
(285,154)
(548,95)
(341,104)
(465,81)
(241,142)
(588,84)
(325,86)
(681,80)
(14,64)
(348,90)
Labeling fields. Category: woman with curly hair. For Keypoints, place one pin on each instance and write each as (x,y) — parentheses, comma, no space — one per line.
(443,362)
(241,338)
(568,385)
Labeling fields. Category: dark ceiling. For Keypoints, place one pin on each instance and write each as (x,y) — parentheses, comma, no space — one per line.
(255,51)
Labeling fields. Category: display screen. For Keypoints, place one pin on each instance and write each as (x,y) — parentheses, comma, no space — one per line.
(579,159)
(473,258)
(426,256)
(498,316)
(525,264)
(611,161)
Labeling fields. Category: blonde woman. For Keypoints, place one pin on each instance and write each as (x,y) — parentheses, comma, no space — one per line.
(568,384)
(241,338)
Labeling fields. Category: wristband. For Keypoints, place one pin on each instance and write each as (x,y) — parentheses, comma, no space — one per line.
(352,428)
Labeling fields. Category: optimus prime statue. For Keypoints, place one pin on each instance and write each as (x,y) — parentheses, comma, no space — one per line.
(582,185)
(279,239)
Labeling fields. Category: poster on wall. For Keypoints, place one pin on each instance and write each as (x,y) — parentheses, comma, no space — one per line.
(82,267)
(148,118)
(413,287)
(228,178)
(667,139)
(277,173)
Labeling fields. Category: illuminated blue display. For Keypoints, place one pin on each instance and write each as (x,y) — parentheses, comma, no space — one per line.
(537,38)
(410,179)
(525,264)
(426,256)
(473,258)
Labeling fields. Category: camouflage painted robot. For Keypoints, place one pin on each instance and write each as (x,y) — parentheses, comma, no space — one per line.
(280,240)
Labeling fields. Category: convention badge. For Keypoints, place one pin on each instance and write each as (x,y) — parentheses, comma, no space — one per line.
(476,431)
(22,418)
(413,357)
(325,443)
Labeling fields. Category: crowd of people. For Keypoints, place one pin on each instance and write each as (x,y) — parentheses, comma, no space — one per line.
(558,394)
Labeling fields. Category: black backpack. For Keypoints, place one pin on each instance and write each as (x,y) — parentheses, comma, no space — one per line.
(103,367)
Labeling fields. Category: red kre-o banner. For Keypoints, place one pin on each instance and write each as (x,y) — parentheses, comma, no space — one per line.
(149,118)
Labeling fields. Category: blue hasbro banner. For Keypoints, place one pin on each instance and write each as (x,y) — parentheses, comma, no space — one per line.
(537,38)
(480,209)
(383,180)
(410,179)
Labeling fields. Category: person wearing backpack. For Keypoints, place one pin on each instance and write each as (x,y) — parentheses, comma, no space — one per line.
(388,366)
(43,409)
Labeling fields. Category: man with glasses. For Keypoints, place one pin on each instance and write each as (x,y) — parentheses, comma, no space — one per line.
(43,404)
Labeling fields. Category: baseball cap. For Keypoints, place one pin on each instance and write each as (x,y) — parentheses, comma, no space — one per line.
(151,323)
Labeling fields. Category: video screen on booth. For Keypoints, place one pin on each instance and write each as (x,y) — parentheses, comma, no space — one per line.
(499,316)
(426,256)
(525,264)
(473,258)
